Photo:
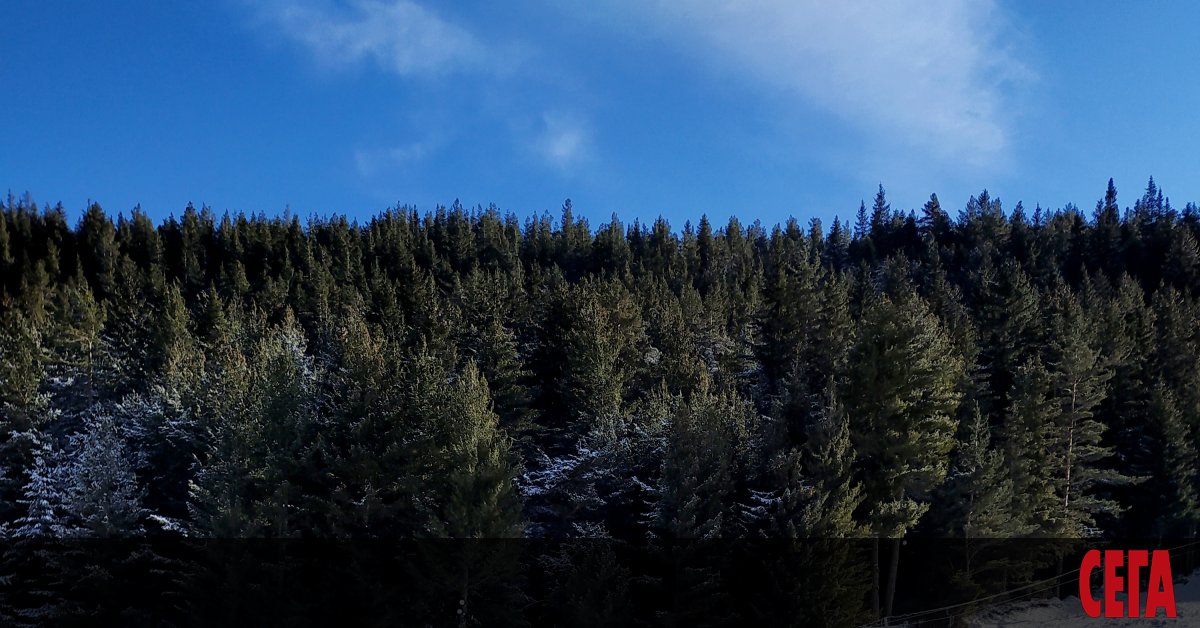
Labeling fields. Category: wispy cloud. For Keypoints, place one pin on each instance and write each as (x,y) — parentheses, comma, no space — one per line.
(929,74)
(371,161)
(398,35)
(563,139)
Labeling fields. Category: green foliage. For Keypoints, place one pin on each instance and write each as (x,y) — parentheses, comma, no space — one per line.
(902,397)
(980,489)
(707,448)
(459,374)
(473,479)
(1078,384)
(604,348)
(821,491)
(1029,434)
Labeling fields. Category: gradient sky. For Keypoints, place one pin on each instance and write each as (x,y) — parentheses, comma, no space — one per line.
(643,108)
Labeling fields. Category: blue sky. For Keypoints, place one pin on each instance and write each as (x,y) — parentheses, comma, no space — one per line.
(639,107)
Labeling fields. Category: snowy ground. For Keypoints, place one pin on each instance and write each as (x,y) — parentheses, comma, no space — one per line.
(1069,613)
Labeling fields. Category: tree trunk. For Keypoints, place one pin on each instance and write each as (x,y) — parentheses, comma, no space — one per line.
(875,580)
(462,602)
(895,568)
(1058,586)
(1070,453)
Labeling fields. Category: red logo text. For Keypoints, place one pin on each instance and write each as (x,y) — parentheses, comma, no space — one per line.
(1160,592)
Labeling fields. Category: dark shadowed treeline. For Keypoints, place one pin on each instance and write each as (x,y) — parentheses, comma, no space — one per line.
(994,373)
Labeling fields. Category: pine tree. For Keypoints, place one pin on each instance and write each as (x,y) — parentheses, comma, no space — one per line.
(837,248)
(1079,381)
(881,213)
(903,397)
(22,364)
(1174,484)
(1182,264)
(829,463)
(604,347)
(102,493)
(1029,441)
(1008,312)
(863,247)
(24,409)
(936,220)
(706,445)
(82,366)
(1106,250)
(979,498)
(6,255)
(98,253)
(281,418)
(980,487)
(476,495)
(45,500)
(1124,326)
(220,490)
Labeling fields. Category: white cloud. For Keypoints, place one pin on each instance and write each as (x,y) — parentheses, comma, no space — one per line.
(563,139)
(399,35)
(370,161)
(928,74)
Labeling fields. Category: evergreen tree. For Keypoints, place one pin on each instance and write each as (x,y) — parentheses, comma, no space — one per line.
(821,492)
(604,346)
(81,367)
(98,253)
(1010,326)
(102,494)
(24,409)
(1079,381)
(706,448)
(1029,433)
(479,498)
(220,490)
(903,397)
(980,487)
(45,499)
(1106,248)
(6,256)
(1174,485)
(980,501)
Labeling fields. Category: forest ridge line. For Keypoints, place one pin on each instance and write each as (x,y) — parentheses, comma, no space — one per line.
(625,382)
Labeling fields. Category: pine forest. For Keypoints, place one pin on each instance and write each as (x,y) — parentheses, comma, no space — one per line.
(978,372)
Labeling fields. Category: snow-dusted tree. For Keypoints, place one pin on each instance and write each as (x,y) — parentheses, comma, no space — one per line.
(258,424)
(102,493)
(24,410)
(32,582)
(46,499)
(82,365)
(217,492)
(282,407)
